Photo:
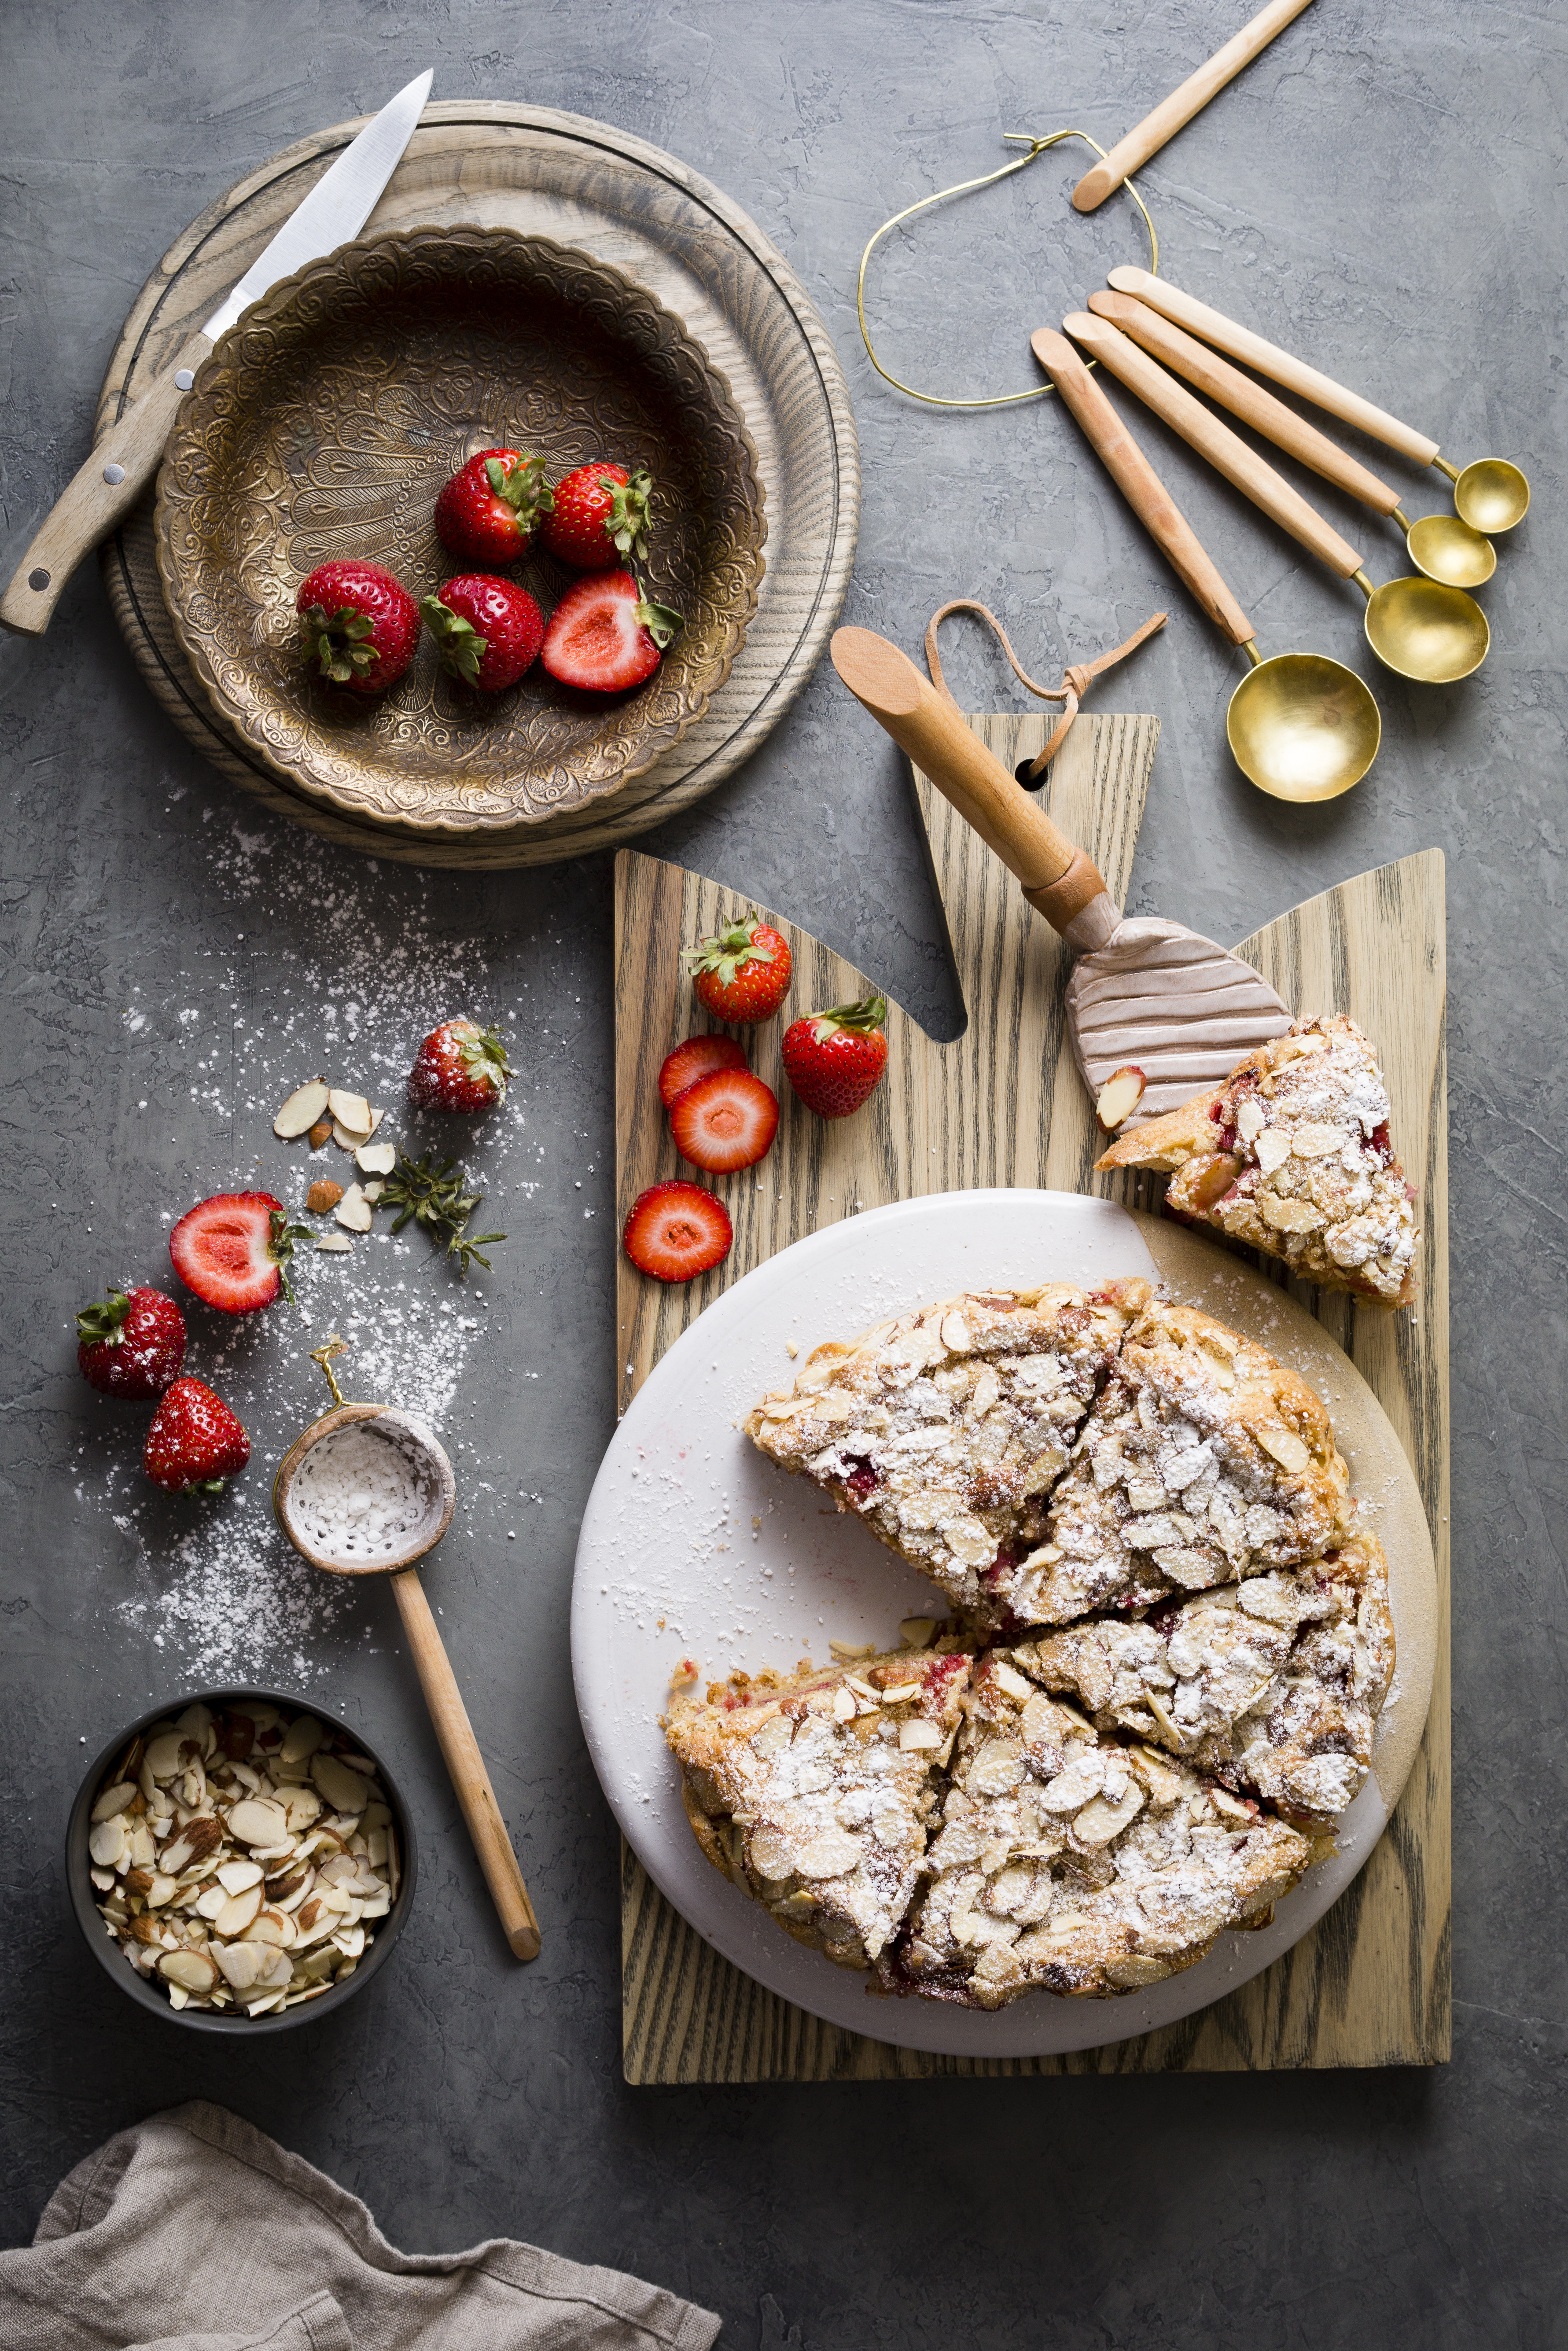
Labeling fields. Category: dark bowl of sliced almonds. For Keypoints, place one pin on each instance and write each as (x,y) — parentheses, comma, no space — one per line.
(240,1862)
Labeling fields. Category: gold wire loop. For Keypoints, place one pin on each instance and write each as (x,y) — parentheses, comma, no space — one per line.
(965,187)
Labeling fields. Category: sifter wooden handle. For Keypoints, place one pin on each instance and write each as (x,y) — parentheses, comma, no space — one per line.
(1194,94)
(93,503)
(1269,361)
(1138,482)
(1202,431)
(1058,879)
(1228,385)
(470,1780)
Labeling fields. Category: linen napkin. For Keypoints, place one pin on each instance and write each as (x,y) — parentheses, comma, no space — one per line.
(192,2232)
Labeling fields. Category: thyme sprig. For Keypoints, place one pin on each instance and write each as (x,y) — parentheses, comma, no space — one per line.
(435,1198)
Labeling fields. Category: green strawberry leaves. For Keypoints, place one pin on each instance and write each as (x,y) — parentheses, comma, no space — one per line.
(341,642)
(627,522)
(460,646)
(728,949)
(281,1237)
(523,487)
(661,624)
(103,1321)
(862,1018)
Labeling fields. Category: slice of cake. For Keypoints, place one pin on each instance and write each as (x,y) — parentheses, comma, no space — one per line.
(1272,1685)
(1075,1862)
(1292,1155)
(1203,1462)
(814,1795)
(946,1429)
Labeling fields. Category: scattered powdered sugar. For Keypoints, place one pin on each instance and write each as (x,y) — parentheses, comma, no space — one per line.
(334,966)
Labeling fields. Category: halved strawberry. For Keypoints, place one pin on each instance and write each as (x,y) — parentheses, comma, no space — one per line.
(232,1250)
(676,1231)
(697,1057)
(728,1119)
(604,635)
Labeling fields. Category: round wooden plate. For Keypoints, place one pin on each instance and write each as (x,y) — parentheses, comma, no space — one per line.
(326,424)
(584,184)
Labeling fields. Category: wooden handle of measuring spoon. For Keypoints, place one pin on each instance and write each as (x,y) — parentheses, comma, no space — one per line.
(1202,431)
(1059,881)
(1270,360)
(1138,482)
(1228,385)
(1129,154)
(470,1780)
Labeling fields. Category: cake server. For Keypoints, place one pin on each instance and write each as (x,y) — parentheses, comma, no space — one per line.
(1490,493)
(125,460)
(1145,994)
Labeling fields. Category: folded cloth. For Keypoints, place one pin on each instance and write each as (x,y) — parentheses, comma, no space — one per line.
(193,2232)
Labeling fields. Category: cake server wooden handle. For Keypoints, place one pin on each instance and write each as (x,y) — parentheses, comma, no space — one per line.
(1203,366)
(1129,154)
(470,1780)
(1269,359)
(1138,482)
(106,487)
(1203,431)
(1059,881)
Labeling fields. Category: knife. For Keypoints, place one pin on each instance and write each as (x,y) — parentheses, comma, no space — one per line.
(125,460)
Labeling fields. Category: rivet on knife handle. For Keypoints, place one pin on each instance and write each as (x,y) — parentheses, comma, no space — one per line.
(107,487)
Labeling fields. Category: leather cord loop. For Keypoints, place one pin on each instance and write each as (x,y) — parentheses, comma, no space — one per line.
(1076,678)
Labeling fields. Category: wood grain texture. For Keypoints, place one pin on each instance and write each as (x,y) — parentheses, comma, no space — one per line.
(537,171)
(1002,1104)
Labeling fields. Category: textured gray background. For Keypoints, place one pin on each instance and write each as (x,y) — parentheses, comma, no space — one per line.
(1382,192)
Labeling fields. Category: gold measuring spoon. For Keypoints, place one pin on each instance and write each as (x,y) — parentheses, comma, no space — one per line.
(1441,545)
(1492,495)
(297,1505)
(1418,628)
(1300,727)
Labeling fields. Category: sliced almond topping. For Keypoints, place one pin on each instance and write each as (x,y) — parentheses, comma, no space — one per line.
(847,1652)
(335,1244)
(301,1111)
(1119,1097)
(900,1691)
(919,1733)
(351,1111)
(354,1210)
(917,1632)
(376,1159)
(1009,1678)
(956,1336)
(1273,1149)
(1283,1444)
(844,1708)
(1315,1139)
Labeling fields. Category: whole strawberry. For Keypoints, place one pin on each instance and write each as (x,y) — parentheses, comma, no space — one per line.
(599,516)
(834,1059)
(132,1343)
(459,1067)
(195,1440)
(361,626)
(487,632)
(742,973)
(488,513)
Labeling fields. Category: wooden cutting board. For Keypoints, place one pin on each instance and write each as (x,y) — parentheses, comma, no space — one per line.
(1002,1104)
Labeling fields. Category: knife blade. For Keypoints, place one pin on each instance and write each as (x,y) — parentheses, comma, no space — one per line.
(125,460)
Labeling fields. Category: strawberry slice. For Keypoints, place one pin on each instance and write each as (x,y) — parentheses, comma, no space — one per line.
(604,635)
(232,1251)
(726,1121)
(676,1231)
(697,1057)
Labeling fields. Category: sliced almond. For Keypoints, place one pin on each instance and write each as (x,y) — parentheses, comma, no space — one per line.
(107,1843)
(301,1111)
(1285,1446)
(190,1970)
(1009,1678)
(376,1159)
(919,1733)
(113,1800)
(210,1901)
(844,1708)
(351,1111)
(241,1964)
(238,1913)
(167,1757)
(344,1790)
(353,1210)
(899,1692)
(1315,1139)
(1274,1148)
(1119,1097)
(257,1822)
(239,1876)
(335,1244)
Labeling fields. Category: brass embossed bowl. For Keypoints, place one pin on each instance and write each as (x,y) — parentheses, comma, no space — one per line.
(325,425)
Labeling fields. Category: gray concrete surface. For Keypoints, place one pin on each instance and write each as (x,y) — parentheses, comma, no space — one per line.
(1383,191)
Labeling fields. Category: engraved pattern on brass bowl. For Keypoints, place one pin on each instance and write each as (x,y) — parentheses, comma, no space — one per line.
(325,425)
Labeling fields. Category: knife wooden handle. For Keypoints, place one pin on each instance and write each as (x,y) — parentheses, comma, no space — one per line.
(1202,431)
(1270,360)
(94,503)
(1138,482)
(1059,881)
(1228,385)
(1130,153)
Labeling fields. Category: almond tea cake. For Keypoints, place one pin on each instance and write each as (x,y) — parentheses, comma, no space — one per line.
(1292,1155)
(946,1429)
(1160,1688)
